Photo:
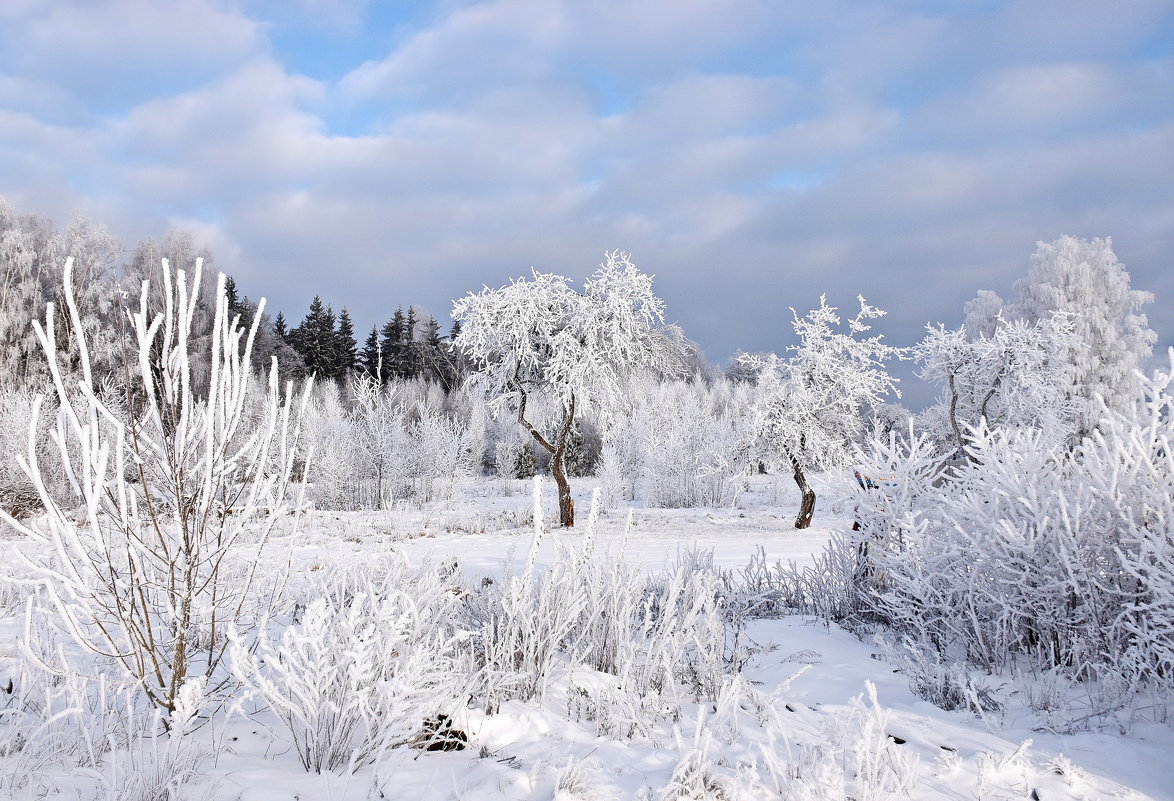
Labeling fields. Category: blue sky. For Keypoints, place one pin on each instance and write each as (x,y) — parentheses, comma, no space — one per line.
(752,154)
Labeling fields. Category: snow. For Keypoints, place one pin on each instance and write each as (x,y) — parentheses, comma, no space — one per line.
(812,694)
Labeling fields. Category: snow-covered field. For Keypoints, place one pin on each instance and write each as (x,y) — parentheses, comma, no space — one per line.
(814,713)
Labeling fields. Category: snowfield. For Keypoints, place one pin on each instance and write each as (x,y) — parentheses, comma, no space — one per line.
(813,713)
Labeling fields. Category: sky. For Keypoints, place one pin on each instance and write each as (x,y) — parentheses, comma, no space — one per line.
(751,154)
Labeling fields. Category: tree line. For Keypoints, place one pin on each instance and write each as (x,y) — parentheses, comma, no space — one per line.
(409,345)
(106,280)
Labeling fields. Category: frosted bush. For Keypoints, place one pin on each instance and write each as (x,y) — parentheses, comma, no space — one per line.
(361,669)
(438,452)
(655,635)
(333,432)
(521,622)
(65,709)
(1060,557)
(678,444)
(389,443)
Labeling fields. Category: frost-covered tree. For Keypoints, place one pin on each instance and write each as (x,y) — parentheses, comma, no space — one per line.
(1012,374)
(808,411)
(31,252)
(177,247)
(20,299)
(1083,280)
(576,348)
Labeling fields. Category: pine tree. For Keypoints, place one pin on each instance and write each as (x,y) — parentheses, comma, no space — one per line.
(314,340)
(411,357)
(393,344)
(456,363)
(235,307)
(369,356)
(345,347)
(330,337)
(436,360)
(280,327)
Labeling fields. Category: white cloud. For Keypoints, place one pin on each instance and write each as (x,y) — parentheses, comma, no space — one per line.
(235,136)
(1050,98)
(474,49)
(119,51)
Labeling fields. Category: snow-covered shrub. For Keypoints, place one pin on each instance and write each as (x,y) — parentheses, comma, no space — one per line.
(846,754)
(339,451)
(1129,465)
(1060,557)
(1011,556)
(654,634)
(156,757)
(678,444)
(665,639)
(62,708)
(826,588)
(438,451)
(17,494)
(696,777)
(389,443)
(520,623)
(178,493)
(365,664)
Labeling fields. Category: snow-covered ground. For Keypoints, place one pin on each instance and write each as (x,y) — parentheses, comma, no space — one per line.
(814,714)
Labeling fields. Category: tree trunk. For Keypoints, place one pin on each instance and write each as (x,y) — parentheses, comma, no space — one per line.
(807,502)
(566,504)
(558,468)
(558,453)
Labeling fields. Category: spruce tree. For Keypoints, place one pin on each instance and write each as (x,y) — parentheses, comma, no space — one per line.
(431,346)
(412,363)
(393,344)
(345,347)
(330,334)
(280,327)
(314,339)
(369,356)
(235,307)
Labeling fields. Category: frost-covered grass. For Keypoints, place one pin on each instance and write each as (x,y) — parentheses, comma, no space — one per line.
(633,658)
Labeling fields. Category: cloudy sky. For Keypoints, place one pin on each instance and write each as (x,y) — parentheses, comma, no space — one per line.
(752,154)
